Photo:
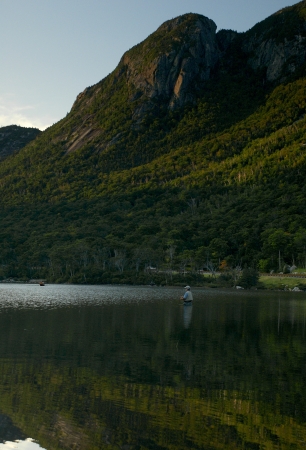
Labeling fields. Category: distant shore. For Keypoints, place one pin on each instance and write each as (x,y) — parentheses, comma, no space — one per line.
(275,282)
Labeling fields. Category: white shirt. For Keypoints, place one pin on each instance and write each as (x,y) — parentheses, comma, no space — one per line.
(188,296)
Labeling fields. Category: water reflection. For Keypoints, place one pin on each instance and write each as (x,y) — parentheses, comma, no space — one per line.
(27,444)
(8,431)
(102,367)
(187,314)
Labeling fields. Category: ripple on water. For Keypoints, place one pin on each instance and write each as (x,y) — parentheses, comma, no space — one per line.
(54,296)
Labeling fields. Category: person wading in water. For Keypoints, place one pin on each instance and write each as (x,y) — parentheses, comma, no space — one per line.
(187,297)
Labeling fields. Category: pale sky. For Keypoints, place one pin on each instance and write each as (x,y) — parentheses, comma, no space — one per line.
(53,49)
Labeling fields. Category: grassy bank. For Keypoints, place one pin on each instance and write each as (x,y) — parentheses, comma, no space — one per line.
(281,283)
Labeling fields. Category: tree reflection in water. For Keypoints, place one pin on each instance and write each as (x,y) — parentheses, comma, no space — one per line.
(225,373)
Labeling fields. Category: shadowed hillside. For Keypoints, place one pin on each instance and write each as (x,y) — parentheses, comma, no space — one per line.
(14,137)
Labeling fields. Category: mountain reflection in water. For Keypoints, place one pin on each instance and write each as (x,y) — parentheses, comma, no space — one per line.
(84,367)
(27,444)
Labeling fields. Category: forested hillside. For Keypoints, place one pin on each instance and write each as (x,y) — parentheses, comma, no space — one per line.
(14,137)
(191,154)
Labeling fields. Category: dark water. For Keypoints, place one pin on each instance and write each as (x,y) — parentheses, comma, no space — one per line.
(131,368)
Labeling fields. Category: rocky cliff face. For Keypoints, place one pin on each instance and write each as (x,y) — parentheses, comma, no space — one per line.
(278,44)
(279,58)
(182,54)
(169,69)
(166,69)
(173,73)
(171,63)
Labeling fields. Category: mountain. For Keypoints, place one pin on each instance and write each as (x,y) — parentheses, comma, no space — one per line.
(14,137)
(191,153)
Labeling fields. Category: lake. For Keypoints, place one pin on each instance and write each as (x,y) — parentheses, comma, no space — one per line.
(131,368)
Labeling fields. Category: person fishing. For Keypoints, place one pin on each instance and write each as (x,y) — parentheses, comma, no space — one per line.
(187,297)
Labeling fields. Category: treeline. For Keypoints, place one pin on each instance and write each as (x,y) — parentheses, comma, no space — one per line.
(149,236)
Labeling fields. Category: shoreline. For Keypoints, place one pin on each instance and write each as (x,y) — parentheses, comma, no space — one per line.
(259,288)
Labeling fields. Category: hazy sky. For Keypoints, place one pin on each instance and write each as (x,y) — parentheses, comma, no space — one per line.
(53,49)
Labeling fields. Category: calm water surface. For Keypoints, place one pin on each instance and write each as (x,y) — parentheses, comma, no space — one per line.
(104,367)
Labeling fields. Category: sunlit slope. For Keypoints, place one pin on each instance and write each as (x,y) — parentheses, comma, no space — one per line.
(267,146)
(184,102)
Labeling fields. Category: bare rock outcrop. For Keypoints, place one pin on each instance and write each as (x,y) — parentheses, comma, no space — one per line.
(175,69)
(279,58)
(172,66)
(278,44)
